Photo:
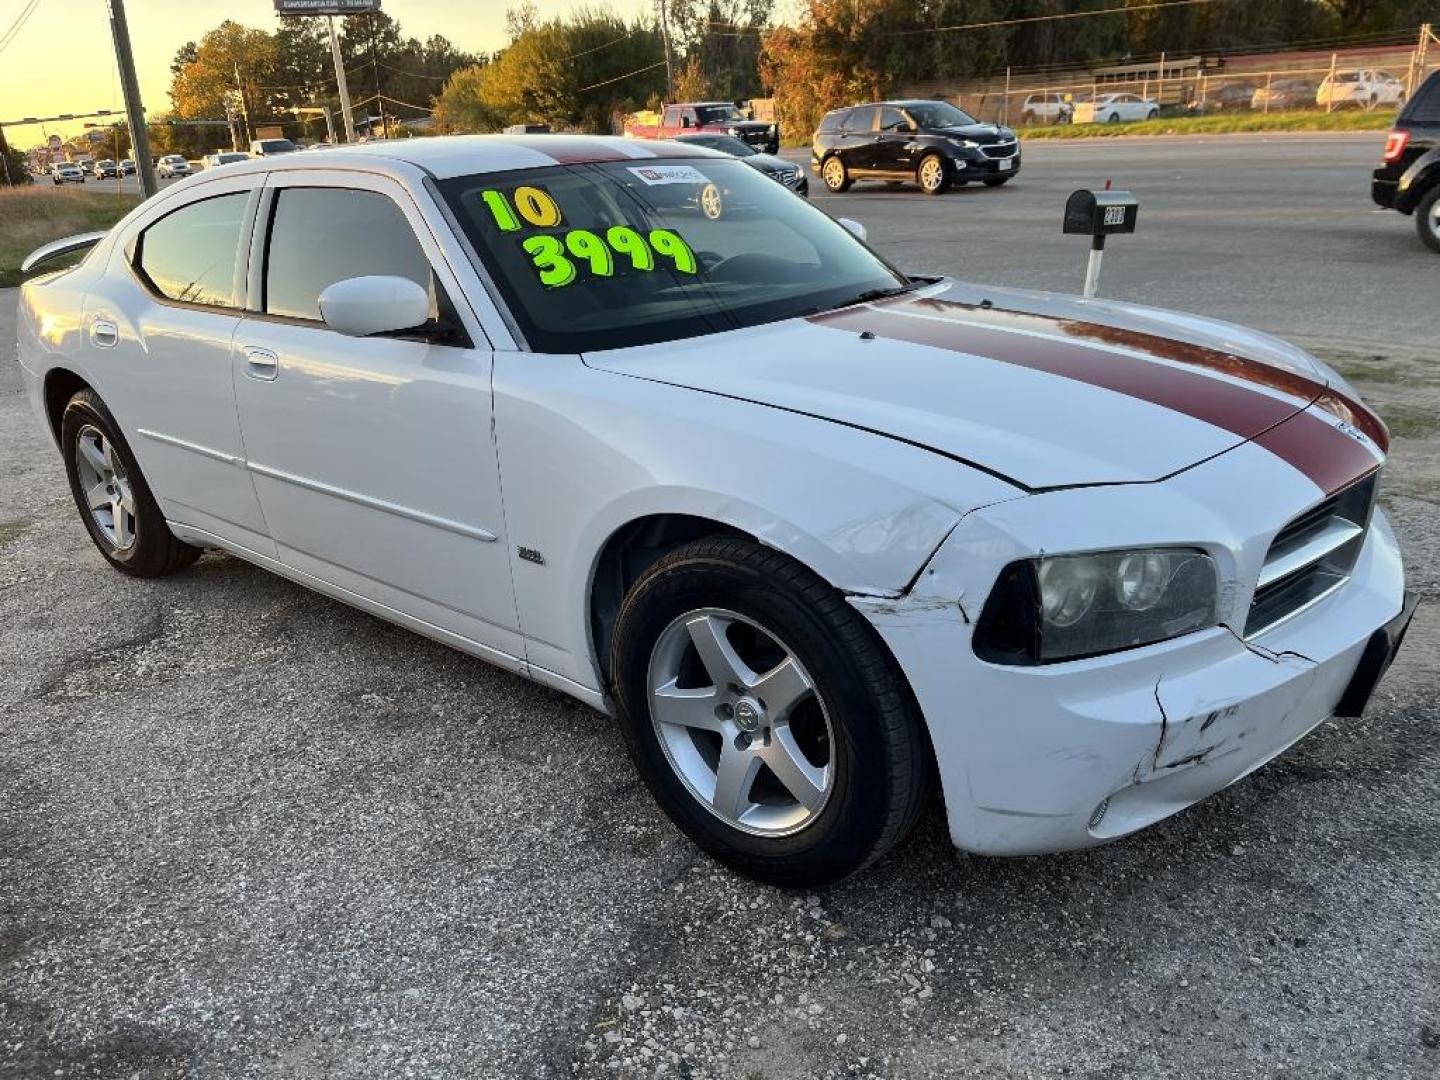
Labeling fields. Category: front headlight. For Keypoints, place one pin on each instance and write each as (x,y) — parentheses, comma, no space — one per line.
(1064,607)
(966,144)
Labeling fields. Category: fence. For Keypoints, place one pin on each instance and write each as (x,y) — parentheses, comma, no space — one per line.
(1374,79)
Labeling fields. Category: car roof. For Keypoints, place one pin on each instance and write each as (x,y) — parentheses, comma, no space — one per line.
(445,156)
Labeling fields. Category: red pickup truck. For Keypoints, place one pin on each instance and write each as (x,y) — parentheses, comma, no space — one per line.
(713,116)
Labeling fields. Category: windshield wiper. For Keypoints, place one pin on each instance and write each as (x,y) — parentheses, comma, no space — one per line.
(880,294)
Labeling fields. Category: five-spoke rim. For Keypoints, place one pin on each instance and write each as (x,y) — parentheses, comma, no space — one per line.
(105,486)
(741,722)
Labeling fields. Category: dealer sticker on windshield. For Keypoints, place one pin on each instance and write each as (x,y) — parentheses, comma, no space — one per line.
(670,174)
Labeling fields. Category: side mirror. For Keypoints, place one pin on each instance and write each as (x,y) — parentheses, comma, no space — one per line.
(361,306)
(854,228)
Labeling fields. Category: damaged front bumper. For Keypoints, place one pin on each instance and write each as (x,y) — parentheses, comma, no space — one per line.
(1069,755)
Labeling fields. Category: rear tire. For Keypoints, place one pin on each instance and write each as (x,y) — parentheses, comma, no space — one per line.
(114,501)
(865,757)
(1114,118)
(1427,219)
(932,175)
(835,175)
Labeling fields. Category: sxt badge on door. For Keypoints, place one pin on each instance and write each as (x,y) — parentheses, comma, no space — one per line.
(530,555)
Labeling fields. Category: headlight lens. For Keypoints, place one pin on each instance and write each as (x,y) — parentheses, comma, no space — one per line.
(1064,607)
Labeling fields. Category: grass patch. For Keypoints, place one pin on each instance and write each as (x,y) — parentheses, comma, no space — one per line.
(36,214)
(1407,423)
(10,531)
(1357,367)
(1223,124)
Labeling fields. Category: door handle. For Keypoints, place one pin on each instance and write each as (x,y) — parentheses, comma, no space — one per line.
(261,363)
(104,334)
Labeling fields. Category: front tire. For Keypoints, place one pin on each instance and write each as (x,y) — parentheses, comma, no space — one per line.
(1114,118)
(1152,114)
(932,175)
(1427,219)
(115,503)
(835,175)
(765,714)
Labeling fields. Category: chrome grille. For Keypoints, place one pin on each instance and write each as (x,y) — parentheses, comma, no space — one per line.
(1312,555)
(1001,149)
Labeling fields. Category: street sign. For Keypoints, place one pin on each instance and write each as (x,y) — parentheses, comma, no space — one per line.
(325,7)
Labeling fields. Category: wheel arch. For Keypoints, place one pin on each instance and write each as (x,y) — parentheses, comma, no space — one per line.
(61,384)
(1419,177)
(630,550)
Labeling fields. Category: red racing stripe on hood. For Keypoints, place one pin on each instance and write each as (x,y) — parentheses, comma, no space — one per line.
(1197,382)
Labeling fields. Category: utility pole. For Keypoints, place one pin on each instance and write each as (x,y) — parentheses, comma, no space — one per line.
(665,38)
(246,131)
(5,159)
(340,81)
(379,92)
(134,110)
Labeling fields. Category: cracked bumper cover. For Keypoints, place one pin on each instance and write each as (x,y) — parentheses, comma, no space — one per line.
(1070,755)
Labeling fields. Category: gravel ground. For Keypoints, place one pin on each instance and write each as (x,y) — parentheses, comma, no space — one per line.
(248,832)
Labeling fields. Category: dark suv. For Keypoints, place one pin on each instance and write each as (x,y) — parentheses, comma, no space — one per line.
(1408,178)
(930,142)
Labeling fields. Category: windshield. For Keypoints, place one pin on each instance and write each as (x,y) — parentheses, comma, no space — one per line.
(938,114)
(277,146)
(718,114)
(726,144)
(592,257)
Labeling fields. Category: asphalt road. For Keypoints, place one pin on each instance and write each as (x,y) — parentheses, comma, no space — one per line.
(248,832)
(1271,231)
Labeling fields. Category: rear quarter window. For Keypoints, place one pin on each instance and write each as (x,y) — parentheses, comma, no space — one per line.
(1424,107)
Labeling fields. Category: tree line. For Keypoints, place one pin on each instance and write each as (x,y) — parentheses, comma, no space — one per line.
(581,71)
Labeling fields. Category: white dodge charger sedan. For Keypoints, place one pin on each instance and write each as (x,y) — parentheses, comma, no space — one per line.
(633,421)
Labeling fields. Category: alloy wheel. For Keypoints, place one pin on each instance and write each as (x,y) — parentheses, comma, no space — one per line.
(741,722)
(107,489)
(932,173)
(834,173)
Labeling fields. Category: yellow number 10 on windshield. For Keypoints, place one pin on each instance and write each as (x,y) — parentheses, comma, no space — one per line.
(534,205)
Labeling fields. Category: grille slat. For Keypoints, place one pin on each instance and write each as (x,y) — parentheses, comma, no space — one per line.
(1312,555)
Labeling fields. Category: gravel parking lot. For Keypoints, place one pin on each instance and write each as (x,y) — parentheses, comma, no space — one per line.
(248,832)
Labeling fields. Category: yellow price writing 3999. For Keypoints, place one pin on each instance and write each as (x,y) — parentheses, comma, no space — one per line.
(557,257)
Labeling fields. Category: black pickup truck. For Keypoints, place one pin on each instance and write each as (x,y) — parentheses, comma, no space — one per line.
(1408,178)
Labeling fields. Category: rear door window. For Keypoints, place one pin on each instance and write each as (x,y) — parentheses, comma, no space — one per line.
(862,119)
(191,256)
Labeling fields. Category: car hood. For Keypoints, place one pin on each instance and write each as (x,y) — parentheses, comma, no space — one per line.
(1044,391)
(980,133)
(769,163)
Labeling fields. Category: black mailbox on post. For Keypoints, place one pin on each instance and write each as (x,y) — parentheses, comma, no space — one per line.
(1100,213)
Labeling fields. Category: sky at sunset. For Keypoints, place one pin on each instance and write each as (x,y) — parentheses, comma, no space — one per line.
(74,35)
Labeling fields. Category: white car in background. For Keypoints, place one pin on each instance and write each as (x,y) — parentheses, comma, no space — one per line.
(1364,88)
(172,165)
(1115,109)
(1047,108)
(67,172)
(814,531)
(224,157)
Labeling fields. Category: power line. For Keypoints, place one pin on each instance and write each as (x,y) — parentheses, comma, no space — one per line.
(995,23)
(14,30)
(607,82)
